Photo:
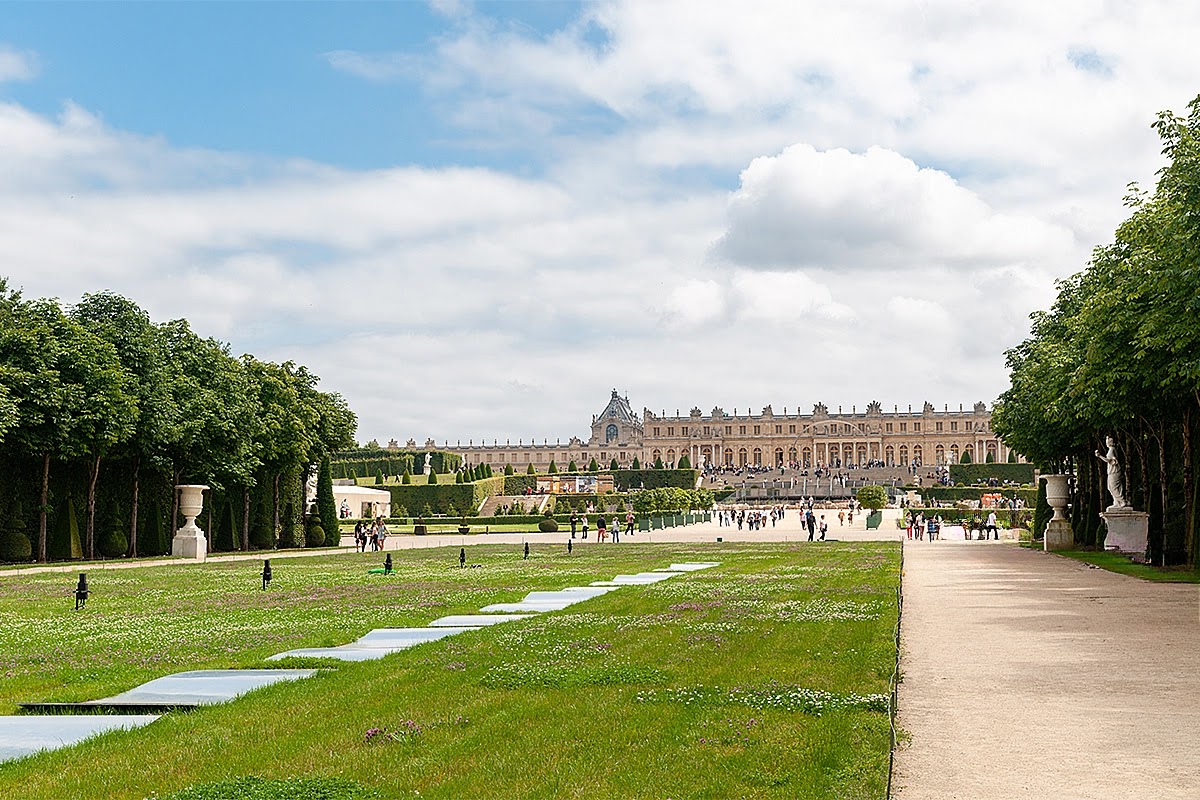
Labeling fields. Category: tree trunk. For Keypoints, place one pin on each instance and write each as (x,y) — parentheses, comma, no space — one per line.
(246,518)
(133,522)
(1162,479)
(209,533)
(275,512)
(175,503)
(90,525)
(1189,489)
(42,510)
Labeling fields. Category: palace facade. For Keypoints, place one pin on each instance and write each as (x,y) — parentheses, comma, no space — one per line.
(819,439)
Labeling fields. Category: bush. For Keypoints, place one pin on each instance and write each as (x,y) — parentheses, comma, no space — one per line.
(966,457)
(872,497)
(636,464)
(548,525)
(508,470)
(518,484)
(15,546)
(628,479)
(593,466)
(326,504)
(572,467)
(684,462)
(531,470)
(553,468)
(113,543)
(406,478)
(314,534)
(432,477)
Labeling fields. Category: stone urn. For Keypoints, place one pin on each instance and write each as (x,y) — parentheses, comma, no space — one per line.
(189,541)
(1057,494)
(1058,530)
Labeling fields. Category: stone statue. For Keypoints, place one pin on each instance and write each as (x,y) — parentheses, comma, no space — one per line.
(1116,479)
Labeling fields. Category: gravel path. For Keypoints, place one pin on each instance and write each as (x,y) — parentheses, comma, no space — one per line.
(1028,675)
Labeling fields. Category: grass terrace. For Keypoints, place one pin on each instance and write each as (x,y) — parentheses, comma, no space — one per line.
(767,676)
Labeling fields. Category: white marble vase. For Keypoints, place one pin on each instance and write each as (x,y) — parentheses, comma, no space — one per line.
(1058,529)
(189,541)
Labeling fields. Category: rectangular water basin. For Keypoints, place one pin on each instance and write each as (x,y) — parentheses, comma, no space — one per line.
(23,735)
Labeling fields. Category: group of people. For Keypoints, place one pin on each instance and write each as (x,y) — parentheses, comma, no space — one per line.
(603,530)
(919,527)
(375,533)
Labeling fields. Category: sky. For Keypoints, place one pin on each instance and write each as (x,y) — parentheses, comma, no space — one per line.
(475,220)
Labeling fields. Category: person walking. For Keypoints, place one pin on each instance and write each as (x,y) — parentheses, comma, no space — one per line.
(629,523)
(585,526)
(601,529)
(824,528)
(574,523)
(990,526)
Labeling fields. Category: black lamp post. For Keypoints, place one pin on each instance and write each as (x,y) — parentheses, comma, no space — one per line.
(462,557)
(387,565)
(527,549)
(81,591)
(568,545)
(266,575)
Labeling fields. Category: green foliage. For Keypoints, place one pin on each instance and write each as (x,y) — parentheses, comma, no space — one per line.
(508,469)
(406,478)
(113,543)
(314,532)
(433,479)
(658,463)
(872,497)
(684,462)
(1041,511)
(965,458)
(1012,456)
(953,494)
(990,459)
(440,497)
(553,469)
(519,484)
(572,468)
(593,466)
(612,465)
(629,479)
(636,463)
(65,543)
(548,525)
(225,538)
(968,474)
(14,546)
(531,470)
(458,478)
(653,501)
(326,503)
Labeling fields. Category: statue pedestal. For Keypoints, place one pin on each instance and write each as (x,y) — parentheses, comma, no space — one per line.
(1058,535)
(1127,531)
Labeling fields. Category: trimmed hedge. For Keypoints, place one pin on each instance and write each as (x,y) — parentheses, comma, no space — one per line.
(465,497)
(366,463)
(969,474)
(517,484)
(952,494)
(627,479)
(1019,518)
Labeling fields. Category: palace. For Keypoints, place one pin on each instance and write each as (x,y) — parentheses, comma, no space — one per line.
(819,439)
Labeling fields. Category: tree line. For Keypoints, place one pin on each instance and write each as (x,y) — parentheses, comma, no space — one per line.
(1118,354)
(100,407)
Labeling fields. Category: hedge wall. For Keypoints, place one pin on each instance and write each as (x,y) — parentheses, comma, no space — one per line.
(365,463)
(952,494)
(981,473)
(517,484)
(1020,518)
(627,479)
(465,497)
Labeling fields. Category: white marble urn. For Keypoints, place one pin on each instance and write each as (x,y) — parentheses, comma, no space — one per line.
(1057,494)
(189,541)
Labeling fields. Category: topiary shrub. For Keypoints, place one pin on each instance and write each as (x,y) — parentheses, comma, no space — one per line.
(15,546)
(571,467)
(684,462)
(872,497)
(593,466)
(508,470)
(548,525)
(531,470)
(553,468)
(406,478)
(636,464)
(314,534)
(432,477)
(113,543)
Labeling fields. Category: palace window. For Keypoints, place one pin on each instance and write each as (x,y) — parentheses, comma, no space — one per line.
(779,429)
(791,429)
(670,430)
(916,426)
(706,429)
(903,426)
(742,430)
(656,433)
(729,432)
(756,430)
(937,426)
(953,426)
(683,431)
(888,427)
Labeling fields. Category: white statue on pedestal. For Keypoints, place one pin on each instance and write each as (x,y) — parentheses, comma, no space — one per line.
(1116,479)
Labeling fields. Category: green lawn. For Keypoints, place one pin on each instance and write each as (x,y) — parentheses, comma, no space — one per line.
(765,677)
(1114,562)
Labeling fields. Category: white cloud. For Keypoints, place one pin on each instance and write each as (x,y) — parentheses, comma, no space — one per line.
(377,67)
(871,211)
(16,65)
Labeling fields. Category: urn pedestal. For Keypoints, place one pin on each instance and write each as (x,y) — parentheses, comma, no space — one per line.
(189,541)
(1058,531)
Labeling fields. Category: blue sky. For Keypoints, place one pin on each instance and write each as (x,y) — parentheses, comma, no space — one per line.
(475,219)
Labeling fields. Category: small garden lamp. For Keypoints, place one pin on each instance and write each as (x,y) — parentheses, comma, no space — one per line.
(387,565)
(266,575)
(81,591)
(527,549)
(568,546)
(462,557)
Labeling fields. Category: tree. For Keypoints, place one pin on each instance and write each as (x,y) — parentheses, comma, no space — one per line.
(553,468)
(658,463)
(508,469)
(966,457)
(872,497)
(531,470)
(406,478)
(613,465)
(593,466)
(432,477)
(684,462)
(636,464)
(327,504)
(572,467)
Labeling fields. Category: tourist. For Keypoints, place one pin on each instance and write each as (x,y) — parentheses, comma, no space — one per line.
(601,529)
(585,526)
(990,526)
(360,536)
(574,523)
(629,523)
(824,528)
(345,509)
(841,518)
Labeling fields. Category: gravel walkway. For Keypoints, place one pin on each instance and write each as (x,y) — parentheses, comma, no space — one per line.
(1028,675)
